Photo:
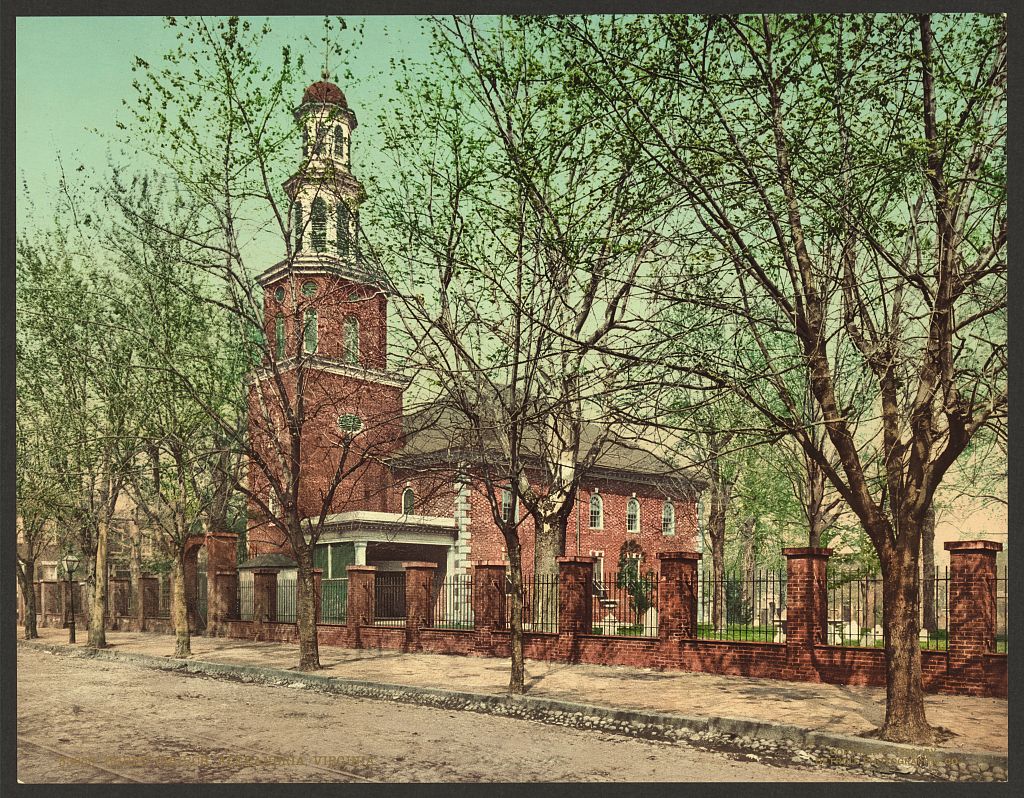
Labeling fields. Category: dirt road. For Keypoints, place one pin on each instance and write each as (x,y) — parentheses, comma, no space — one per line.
(85,720)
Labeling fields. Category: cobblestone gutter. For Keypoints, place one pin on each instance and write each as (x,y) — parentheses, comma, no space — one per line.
(745,739)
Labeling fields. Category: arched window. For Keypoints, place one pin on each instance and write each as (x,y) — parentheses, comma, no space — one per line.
(279,335)
(310,333)
(318,223)
(668,518)
(298,226)
(344,234)
(321,134)
(596,512)
(339,141)
(351,343)
(408,501)
(633,516)
(508,512)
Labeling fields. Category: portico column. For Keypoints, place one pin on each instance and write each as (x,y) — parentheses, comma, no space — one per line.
(360,552)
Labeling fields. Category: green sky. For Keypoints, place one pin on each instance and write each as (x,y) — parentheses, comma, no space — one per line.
(73,72)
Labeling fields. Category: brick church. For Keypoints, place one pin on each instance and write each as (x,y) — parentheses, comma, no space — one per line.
(409,499)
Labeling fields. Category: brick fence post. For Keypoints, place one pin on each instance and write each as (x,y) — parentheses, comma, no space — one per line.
(806,606)
(362,581)
(223,602)
(419,600)
(575,603)
(221,580)
(149,598)
(972,607)
(677,593)
(264,587)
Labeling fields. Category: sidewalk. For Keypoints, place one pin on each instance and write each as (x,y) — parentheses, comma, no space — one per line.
(979,724)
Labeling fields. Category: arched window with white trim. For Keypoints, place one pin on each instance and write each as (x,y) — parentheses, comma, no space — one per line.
(668,518)
(596,512)
(310,333)
(633,515)
(508,512)
(408,501)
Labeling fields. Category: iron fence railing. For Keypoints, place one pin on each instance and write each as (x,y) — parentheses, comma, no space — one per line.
(333,601)
(453,603)
(750,607)
(934,611)
(287,601)
(854,607)
(1002,627)
(855,602)
(625,603)
(389,599)
(540,603)
(246,594)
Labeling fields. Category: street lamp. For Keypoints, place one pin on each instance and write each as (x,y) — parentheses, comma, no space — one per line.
(70,564)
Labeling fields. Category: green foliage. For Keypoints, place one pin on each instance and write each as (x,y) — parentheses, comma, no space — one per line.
(639,586)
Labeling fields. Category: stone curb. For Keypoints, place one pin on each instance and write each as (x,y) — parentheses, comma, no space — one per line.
(629,722)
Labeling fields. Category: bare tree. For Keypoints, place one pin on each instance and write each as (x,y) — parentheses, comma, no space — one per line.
(851,170)
(223,138)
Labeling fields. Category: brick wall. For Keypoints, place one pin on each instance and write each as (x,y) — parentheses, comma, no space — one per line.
(801,658)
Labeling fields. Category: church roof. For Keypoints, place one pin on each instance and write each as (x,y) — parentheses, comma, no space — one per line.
(273,560)
(323,91)
(435,434)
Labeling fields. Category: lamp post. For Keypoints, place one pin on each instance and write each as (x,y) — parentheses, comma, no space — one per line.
(70,564)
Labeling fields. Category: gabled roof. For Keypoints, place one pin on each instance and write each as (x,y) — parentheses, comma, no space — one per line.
(436,435)
(274,560)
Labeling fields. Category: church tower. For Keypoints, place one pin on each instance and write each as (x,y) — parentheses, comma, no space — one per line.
(325,316)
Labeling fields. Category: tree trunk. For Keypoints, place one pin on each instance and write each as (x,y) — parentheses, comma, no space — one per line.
(517,677)
(305,610)
(135,566)
(716,531)
(930,621)
(179,608)
(549,546)
(815,502)
(98,616)
(749,568)
(904,706)
(28,592)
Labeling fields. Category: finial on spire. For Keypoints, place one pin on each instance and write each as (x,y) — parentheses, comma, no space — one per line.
(324,73)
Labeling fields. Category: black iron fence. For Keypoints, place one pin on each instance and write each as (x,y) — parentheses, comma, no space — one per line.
(453,604)
(333,601)
(389,598)
(246,595)
(626,603)
(540,603)
(854,609)
(287,600)
(749,606)
(1001,625)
